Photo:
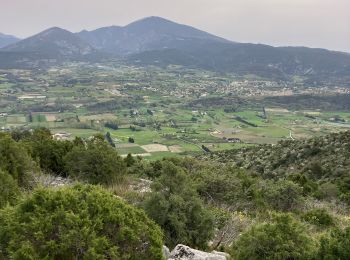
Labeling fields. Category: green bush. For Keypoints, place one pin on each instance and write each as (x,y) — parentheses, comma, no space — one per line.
(319,217)
(97,163)
(47,151)
(175,205)
(15,160)
(344,186)
(283,238)
(309,186)
(80,222)
(327,191)
(9,190)
(228,186)
(335,245)
(283,195)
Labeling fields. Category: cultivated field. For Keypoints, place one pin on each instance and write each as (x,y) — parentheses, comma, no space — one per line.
(157,113)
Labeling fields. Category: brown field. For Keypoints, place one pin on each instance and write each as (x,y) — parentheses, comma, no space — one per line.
(106,116)
(277,110)
(151,148)
(51,117)
(175,149)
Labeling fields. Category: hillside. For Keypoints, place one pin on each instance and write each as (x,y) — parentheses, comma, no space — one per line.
(48,47)
(7,40)
(315,65)
(204,204)
(53,42)
(326,157)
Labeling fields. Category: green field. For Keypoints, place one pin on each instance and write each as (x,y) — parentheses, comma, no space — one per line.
(132,150)
(159,106)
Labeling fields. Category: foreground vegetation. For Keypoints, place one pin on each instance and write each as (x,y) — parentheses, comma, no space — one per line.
(79,222)
(255,203)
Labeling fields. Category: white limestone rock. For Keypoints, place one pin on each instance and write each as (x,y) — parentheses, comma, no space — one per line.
(182,252)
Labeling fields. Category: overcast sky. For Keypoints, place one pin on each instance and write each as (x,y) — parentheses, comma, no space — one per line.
(313,23)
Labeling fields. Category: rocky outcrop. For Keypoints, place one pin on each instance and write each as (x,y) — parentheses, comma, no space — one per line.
(47,180)
(182,252)
(166,252)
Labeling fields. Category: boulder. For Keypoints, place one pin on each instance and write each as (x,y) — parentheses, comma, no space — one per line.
(182,252)
(222,254)
(166,252)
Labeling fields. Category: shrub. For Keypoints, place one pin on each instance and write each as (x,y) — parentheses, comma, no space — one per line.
(283,238)
(9,190)
(15,160)
(129,160)
(303,181)
(97,163)
(283,195)
(335,245)
(319,217)
(48,152)
(229,186)
(177,208)
(80,222)
(344,186)
(327,191)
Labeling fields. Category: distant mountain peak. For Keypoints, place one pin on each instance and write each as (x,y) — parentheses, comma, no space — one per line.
(149,33)
(6,39)
(158,41)
(54,42)
(54,31)
(152,19)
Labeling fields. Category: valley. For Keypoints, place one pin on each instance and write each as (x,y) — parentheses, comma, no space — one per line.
(178,111)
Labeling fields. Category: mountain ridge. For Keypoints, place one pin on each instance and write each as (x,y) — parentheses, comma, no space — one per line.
(54,41)
(142,35)
(6,39)
(160,42)
(49,47)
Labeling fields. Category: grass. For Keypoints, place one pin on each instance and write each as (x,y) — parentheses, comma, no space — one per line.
(16,119)
(38,118)
(85,133)
(159,155)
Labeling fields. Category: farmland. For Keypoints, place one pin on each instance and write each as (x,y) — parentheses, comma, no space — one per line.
(155,113)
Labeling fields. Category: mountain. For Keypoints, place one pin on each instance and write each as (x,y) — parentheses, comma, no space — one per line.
(152,33)
(7,40)
(283,63)
(53,43)
(48,47)
(160,42)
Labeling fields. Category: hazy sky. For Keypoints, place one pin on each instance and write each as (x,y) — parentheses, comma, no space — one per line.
(313,23)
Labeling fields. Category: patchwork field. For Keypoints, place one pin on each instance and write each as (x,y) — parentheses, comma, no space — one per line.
(173,113)
(189,135)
